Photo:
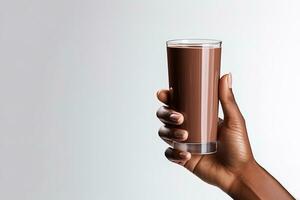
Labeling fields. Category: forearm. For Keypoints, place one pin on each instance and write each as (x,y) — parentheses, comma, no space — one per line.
(255,183)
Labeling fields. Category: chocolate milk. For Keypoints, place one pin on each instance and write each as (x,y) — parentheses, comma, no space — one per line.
(194,73)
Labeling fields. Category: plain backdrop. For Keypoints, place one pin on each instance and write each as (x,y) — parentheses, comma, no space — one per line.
(78,81)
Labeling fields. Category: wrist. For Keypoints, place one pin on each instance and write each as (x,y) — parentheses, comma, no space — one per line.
(241,177)
(253,182)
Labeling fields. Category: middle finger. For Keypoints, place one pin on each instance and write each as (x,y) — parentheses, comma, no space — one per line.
(174,134)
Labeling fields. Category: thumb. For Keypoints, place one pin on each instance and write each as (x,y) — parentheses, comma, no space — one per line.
(229,105)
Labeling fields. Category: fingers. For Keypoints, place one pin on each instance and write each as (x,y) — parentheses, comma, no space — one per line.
(164,96)
(229,105)
(176,156)
(173,134)
(169,116)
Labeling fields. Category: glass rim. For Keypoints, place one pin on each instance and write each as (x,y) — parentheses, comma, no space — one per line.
(194,43)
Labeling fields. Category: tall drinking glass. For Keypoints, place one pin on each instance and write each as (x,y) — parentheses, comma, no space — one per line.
(194,73)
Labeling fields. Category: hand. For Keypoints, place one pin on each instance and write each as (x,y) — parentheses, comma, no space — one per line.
(234,151)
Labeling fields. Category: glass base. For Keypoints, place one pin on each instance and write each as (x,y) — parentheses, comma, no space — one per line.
(197,148)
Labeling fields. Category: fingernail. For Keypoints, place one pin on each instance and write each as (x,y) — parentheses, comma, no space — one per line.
(229,80)
(175,117)
(178,134)
(183,154)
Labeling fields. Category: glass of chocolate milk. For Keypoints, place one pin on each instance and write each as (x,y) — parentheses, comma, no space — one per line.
(194,73)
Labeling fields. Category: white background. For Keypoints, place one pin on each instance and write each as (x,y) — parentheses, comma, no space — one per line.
(78,81)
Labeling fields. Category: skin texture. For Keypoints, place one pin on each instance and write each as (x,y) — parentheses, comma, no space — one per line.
(233,166)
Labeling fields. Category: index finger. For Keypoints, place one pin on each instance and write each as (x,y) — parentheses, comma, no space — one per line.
(164,96)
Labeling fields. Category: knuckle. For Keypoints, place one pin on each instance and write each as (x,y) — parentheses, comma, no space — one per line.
(163,131)
(159,112)
(234,123)
(160,130)
(168,152)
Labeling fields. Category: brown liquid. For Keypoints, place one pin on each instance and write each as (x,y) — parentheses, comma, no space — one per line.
(194,74)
